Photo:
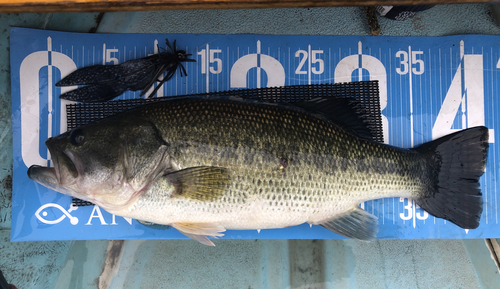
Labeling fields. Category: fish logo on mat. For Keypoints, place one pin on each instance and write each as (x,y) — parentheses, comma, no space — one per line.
(41,213)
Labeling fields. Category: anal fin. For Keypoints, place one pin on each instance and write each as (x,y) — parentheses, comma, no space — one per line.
(355,223)
(200,231)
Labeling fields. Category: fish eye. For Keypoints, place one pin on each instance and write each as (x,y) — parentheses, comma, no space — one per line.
(77,136)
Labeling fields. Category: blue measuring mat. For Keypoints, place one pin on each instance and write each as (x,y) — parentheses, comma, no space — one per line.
(429,87)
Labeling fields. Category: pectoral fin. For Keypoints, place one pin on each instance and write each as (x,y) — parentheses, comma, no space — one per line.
(200,231)
(200,183)
(355,223)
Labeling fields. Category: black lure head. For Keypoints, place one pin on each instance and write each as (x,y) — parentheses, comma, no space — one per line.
(169,61)
(182,56)
(179,56)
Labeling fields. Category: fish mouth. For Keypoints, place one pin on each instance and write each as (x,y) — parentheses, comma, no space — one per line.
(44,176)
(65,169)
(63,175)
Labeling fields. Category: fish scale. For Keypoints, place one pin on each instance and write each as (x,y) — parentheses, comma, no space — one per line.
(251,139)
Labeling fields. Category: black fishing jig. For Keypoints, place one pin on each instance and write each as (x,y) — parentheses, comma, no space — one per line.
(105,82)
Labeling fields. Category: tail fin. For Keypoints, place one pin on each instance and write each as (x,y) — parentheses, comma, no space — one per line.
(458,160)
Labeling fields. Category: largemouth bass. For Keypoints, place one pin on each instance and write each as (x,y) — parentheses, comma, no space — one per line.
(205,165)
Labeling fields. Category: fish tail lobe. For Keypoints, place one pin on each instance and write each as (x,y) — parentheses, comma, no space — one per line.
(455,164)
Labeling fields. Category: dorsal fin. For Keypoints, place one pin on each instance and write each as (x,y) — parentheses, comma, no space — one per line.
(349,113)
(346,112)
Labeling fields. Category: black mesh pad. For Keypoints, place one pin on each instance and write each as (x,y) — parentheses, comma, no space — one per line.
(365,92)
